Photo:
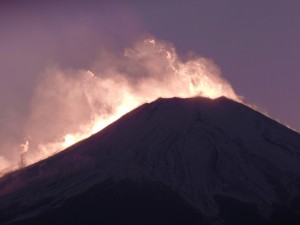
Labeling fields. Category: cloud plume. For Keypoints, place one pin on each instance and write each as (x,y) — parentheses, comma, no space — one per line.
(69,105)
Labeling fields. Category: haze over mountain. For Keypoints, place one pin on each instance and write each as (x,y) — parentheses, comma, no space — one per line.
(172,161)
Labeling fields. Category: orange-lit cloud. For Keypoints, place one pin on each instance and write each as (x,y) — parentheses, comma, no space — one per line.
(70,105)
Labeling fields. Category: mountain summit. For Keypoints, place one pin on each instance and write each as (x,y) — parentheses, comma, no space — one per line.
(172,161)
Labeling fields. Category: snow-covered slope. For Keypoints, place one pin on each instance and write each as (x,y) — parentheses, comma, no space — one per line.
(208,152)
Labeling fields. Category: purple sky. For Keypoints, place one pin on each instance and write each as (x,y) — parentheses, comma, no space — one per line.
(256,44)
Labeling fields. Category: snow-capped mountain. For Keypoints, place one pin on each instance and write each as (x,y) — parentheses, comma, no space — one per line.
(172,161)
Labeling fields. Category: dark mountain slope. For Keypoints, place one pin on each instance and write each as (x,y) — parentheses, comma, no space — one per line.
(194,161)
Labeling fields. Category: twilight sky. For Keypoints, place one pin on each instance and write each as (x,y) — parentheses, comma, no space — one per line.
(256,44)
